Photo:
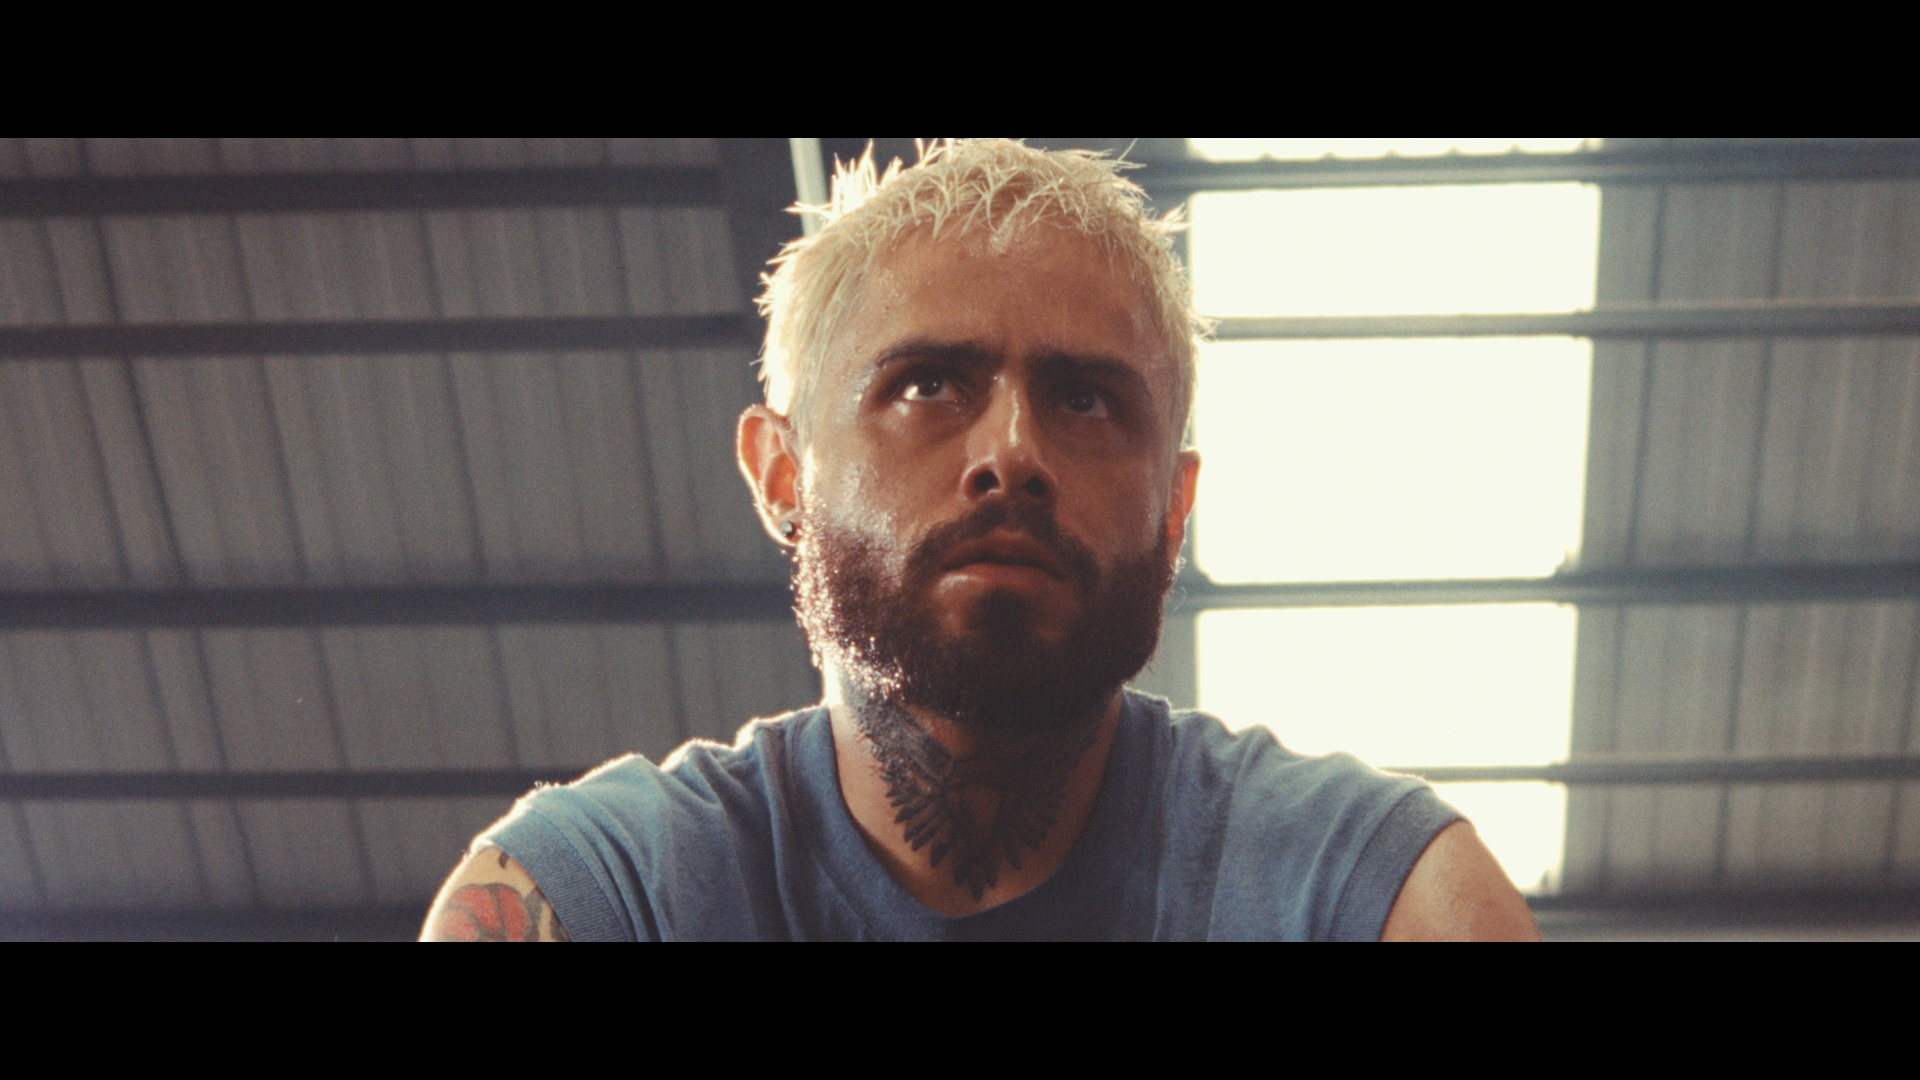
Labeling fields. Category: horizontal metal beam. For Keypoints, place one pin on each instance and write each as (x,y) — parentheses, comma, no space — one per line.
(680,185)
(433,189)
(1693,771)
(531,334)
(625,603)
(1775,907)
(395,923)
(624,332)
(395,605)
(1679,585)
(1758,162)
(1649,321)
(310,784)
(476,783)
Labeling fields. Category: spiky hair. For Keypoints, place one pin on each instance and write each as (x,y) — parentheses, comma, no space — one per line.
(994,186)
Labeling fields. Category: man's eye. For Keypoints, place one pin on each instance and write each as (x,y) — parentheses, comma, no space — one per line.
(1086,402)
(925,388)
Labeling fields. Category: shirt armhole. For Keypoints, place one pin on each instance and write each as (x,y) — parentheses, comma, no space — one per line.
(580,901)
(1385,862)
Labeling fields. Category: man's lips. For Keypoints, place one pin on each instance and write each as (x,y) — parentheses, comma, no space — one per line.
(1006,549)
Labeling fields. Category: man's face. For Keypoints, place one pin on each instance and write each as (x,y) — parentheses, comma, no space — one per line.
(991,497)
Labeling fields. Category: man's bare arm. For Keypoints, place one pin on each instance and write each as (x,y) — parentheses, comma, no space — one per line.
(1457,892)
(489,897)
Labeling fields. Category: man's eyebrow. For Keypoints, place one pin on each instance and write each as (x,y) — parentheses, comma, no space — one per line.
(962,354)
(1096,366)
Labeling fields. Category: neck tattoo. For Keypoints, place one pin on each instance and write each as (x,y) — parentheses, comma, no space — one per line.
(982,810)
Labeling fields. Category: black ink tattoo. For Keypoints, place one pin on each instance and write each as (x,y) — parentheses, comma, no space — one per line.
(934,794)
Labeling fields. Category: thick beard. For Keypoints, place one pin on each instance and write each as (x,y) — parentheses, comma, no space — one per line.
(997,677)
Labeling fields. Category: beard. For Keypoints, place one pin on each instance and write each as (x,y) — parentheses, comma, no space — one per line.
(996,675)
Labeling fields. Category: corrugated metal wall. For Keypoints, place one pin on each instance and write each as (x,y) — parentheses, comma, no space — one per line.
(533,467)
(1747,452)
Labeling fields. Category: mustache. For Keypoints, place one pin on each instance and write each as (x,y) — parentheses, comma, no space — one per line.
(1035,520)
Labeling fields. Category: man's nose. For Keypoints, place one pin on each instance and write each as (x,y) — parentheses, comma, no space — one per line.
(1005,455)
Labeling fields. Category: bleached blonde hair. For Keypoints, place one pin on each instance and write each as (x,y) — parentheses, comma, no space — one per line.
(995,186)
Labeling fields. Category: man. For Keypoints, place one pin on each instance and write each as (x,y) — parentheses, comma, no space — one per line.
(979,374)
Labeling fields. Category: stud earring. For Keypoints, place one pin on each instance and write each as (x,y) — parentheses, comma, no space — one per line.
(788,528)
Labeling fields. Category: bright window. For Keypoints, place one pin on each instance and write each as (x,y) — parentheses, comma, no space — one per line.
(1367,460)
(1377,251)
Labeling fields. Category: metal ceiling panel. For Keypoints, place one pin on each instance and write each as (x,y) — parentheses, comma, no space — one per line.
(87,702)
(1821,679)
(362,699)
(1648,682)
(183,688)
(732,672)
(57,526)
(536,467)
(375,469)
(413,844)
(1750,453)
(274,704)
(418,698)
(22,886)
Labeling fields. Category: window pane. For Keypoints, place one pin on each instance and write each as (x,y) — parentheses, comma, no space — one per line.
(1358,460)
(1467,685)
(1523,824)
(1494,247)
(1350,460)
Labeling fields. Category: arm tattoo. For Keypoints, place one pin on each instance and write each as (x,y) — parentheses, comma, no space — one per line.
(934,794)
(497,912)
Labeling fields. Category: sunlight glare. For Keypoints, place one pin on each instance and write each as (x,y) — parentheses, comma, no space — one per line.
(1357,460)
(1367,460)
(1384,251)
(1413,686)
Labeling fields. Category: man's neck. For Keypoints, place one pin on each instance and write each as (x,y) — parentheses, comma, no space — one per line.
(961,821)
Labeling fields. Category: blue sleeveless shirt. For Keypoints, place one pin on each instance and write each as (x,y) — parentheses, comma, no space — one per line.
(1197,834)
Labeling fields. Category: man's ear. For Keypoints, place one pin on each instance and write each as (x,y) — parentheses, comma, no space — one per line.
(1186,480)
(769,457)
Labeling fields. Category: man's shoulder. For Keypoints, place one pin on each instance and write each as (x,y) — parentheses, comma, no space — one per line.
(1201,748)
(1204,749)
(700,773)
(1207,735)
(1288,844)
(1247,790)
(638,850)
(704,788)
